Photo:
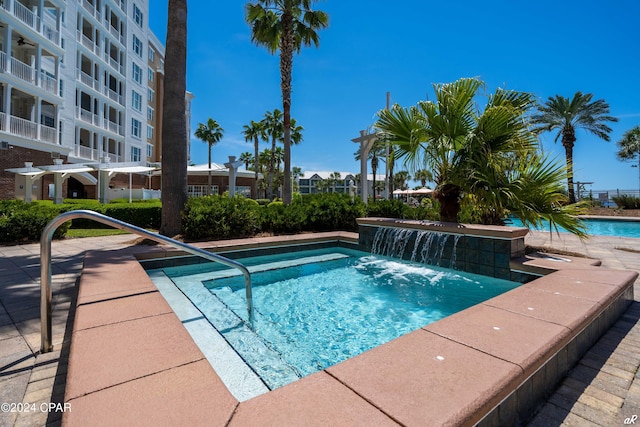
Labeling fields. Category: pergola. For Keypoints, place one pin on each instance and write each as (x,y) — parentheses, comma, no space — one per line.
(60,173)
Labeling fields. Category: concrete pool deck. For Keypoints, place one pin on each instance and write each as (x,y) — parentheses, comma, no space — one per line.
(26,376)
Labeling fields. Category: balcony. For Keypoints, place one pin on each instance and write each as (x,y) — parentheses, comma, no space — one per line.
(115,33)
(33,21)
(93,154)
(114,64)
(87,80)
(93,11)
(87,116)
(27,73)
(113,95)
(28,129)
(88,43)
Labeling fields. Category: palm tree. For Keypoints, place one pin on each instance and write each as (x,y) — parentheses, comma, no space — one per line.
(286,25)
(254,131)
(211,133)
(469,151)
(273,128)
(296,173)
(400,179)
(568,115)
(629,147)
(423,175)
(247,158)
(334,178)
(174,123)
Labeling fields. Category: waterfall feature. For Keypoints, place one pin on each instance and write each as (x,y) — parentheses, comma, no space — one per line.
(428,248)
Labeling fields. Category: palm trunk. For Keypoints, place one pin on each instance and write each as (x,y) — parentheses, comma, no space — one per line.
(255,166)
(449,197)
(174,125)
(209,177)
(568,140)
(286,66)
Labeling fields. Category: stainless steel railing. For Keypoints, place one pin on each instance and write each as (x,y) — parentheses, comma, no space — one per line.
(45,263)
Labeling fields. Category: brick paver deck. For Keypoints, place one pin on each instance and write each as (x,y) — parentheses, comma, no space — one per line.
(603,389)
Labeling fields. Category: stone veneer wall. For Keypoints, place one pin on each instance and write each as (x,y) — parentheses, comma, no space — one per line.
(485,250)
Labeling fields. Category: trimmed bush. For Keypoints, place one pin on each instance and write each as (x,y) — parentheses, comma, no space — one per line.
(332,211)
(23,222)
(627,202)
(218,217)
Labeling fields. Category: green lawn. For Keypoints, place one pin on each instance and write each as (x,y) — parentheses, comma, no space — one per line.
(93,232)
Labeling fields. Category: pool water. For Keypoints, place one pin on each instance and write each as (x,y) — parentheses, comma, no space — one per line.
(597,227)
(313,309)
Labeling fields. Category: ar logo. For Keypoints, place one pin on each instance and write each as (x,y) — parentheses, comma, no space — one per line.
(631,420)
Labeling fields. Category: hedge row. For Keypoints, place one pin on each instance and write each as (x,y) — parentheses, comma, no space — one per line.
(211,217)
(20,221)
(221,217)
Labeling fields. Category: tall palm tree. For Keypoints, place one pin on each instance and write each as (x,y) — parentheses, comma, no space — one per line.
(566,116)
(400,179)
(334,179)
(296,173)
(629,147)
(423,175)
(211,133)
(274,129)
(174,123)
(247,158)
(286,25)
(255,132)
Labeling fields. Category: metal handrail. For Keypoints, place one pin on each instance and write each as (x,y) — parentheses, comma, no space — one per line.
(45,263)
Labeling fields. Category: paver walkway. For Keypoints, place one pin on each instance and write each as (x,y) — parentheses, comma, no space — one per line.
(602,390)
(26,376)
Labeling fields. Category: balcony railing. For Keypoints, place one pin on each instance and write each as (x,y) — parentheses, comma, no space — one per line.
(31,19)
(22,127)
(87,152)
(22,71)
(88,80)
(48,83)
(88,43)
(3,118)
(49,134)
(114,95)
(91,9)
(3,62)
(26,16)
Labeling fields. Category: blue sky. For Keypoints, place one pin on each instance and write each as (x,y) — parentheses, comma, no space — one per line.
(543,47)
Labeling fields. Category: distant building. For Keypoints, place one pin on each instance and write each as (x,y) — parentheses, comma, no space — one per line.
(320,181)
(82,82)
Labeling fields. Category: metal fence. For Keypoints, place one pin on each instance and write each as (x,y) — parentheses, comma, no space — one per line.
(605,197)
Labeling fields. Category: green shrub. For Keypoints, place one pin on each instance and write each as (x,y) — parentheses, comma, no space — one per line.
(280,219)
(22,222)
(219,217)
(387,209)
(263,202)
(627,202)
(332,211)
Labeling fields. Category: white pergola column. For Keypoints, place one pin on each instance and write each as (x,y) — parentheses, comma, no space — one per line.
(366,141)
(233,165)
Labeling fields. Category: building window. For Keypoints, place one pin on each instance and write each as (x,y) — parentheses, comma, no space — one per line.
(150,114)
(137,15)
(149,132)
(151,75)
(152,54)
(150,94)
(137,73)
(149,150)
(136,100)
(137,46)
(61,83)
(136,154)
(136,127)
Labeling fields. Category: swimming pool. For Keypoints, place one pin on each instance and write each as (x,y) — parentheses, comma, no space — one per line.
(315,308)
(598,227)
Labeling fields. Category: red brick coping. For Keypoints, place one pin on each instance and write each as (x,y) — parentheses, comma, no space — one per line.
(133,363)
